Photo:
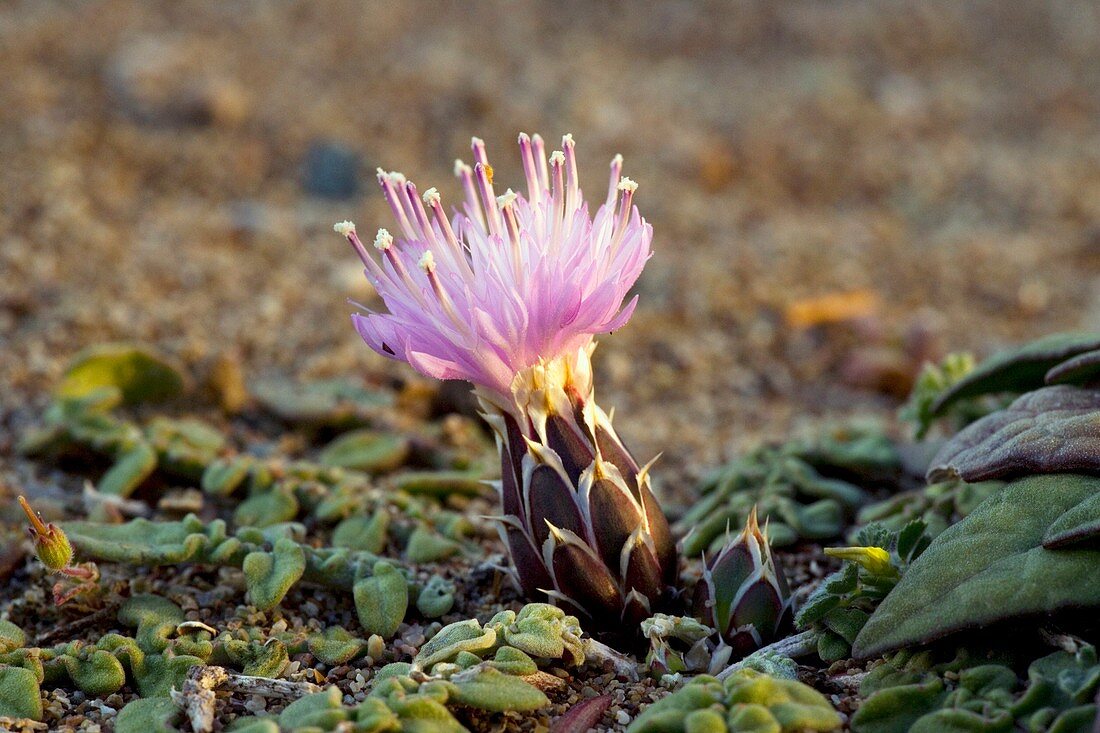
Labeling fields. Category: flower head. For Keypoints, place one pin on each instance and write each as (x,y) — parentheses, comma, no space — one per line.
(510,281)
(50,543)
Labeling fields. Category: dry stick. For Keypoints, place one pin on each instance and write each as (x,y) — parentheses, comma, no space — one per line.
(21,724)
(601,653)
(197,698)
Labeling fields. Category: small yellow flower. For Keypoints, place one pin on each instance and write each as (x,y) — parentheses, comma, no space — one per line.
(873,559)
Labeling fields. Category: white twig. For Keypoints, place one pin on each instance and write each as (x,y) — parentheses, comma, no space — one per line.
(601,653)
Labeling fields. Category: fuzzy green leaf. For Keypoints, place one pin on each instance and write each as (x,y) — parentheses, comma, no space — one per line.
(363,533)
(19,693)
(1081,369)
(129,470)
(265,509)
(490,689)
(989,567)
(1050,430)
(381,600)
(269,575)
(140,374)
(366,450)
(149,715)
(1017,370)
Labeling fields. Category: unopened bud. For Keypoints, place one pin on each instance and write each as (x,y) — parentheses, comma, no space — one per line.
(50,543)
(874,560)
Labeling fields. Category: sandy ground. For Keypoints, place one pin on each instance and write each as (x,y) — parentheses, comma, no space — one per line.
(944,156)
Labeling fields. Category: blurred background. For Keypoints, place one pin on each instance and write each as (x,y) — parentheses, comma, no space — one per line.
(839,189)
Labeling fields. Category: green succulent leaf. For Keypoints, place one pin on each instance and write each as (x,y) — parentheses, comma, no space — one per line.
(267,508)
(158,674)
(363,533)
(139,373)
(898,708)
(269,575)
(19,693)
(336,646)
(1017,370)
(129,470)
(1081,369)
(436,598)
(991,566)
(490,689)
(441,483)
(367,450)
(155,617)
(11,637)
(1050,430)
(225,475)
(96,673)
(426,545)
(747,701)
(334,403)
(381,600)
(321,709)
(149,715)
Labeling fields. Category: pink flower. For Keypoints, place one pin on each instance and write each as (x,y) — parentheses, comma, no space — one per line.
(509,281)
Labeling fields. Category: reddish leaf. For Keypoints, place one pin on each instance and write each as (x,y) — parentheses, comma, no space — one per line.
(583,716)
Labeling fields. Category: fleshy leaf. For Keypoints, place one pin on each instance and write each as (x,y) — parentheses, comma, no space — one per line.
(149,715)
(1081,369)
(19,693)
(140,374)
(1050,430)
(989,567)
(381,600)
(491,689)
(366,450)
(269,575)
(1017,370)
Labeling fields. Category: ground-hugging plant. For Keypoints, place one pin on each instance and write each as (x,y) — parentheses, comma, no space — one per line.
(838,610)
(494,667)
(273,560)
(938,505)
(796,487)
(746,702)
(374,510)
(912,692)
(1028,549)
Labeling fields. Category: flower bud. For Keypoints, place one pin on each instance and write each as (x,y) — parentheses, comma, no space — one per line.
(874,560)
(50,543)
(743,592)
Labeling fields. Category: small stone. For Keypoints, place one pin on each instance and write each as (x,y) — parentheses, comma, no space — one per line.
(331,170)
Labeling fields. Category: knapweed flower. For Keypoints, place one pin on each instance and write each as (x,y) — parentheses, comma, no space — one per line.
(743,592)
(508,294)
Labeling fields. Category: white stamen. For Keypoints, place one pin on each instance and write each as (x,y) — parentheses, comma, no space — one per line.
(344,228)
(383,240)
(507,198)
(427,262)
(618,159)
(557,158)
(460,167)
(431,197)
(567,139)
(627,184)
